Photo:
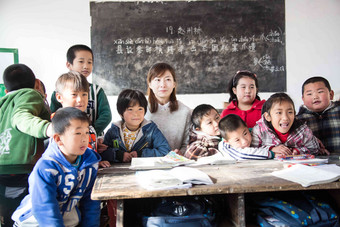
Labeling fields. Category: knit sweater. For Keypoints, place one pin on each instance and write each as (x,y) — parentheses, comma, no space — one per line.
(174,125)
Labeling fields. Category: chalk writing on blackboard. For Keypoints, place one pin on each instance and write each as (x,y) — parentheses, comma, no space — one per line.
(206,43)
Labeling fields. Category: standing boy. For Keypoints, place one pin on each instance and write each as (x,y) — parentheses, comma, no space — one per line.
(80,59)
(61,182)
(23,125)
(320,113)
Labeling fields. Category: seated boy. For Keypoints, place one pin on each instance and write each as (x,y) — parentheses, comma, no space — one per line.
(61,182)
(80,59)
(133,136)
(24,123)
(72,90)
(204,134)
(237,139)
(320,113)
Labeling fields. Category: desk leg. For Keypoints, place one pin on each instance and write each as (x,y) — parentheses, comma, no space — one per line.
(120,213)
(237,208)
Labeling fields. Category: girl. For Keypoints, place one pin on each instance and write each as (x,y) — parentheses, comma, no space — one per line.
(133,136)
(244,99)
(280,131)
(171,116)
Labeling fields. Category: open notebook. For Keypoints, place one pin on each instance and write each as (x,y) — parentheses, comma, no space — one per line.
(310,175)
(178,177)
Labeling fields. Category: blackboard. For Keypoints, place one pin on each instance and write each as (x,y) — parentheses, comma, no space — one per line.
(206,42)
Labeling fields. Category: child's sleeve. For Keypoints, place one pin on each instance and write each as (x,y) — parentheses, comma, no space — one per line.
(256,137)
(43,190)
(310,144)
(113,153)
(90,209)
(26,118)
(251,153)
(198,149)
(248,153)
(104,115)
(55,105)
(160,146)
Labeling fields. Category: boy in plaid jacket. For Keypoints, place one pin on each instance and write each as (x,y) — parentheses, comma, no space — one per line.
(320,113)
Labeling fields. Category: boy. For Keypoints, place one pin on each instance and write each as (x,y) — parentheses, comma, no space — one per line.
(237,139)
(204,135)
(134,136)
(72,90)
(320,113)
(23,126)
(61,182)
(80,59)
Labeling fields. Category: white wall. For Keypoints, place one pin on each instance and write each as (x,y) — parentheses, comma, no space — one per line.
(43,30)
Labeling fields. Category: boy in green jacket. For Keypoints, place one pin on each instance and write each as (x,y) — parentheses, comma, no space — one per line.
(24,123)
(80,59)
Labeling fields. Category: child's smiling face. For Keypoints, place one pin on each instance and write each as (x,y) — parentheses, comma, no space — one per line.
(281,115)
(134,116)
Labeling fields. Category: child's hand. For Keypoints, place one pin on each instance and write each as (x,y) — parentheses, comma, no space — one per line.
(281,150)
(177,151)
(104,164)
(127,157)
(100,146)
(134,154)
(295,151)
(49,130)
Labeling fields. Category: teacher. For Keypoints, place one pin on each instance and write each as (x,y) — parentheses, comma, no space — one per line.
(171,116)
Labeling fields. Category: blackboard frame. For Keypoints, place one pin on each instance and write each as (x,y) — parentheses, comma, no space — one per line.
(116,73)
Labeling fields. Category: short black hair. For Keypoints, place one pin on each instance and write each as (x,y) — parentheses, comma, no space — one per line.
(18,76)
(230,123)
(63,116)
(199,112)
(314,80)
(71,52)
(129,97)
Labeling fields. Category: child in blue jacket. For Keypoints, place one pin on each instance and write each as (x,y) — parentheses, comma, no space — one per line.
(133,136)
(61,182)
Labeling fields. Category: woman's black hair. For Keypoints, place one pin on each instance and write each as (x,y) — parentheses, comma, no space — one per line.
(234,81)
(279,98)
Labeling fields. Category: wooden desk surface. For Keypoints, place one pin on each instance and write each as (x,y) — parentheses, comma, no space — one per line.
(118,181)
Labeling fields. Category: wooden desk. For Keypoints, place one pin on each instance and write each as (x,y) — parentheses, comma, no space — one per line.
(118,182)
